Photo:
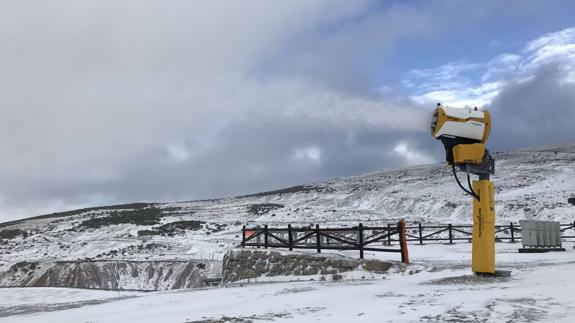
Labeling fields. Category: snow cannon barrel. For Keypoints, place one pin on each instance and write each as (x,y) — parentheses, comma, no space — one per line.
(461,126)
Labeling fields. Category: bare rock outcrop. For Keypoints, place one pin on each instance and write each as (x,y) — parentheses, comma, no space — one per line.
(137,275)
(240,264)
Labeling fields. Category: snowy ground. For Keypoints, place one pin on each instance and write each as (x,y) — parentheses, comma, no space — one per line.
(437,288)
(15,302)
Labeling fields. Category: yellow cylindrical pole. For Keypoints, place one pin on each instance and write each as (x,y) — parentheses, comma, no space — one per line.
(483,243)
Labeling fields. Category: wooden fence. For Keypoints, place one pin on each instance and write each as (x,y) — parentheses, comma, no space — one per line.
(351,238)
(449,233)
(365,238)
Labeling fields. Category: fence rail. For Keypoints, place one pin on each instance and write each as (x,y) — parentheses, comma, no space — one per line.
(366,238)
(451,233)
(360,238)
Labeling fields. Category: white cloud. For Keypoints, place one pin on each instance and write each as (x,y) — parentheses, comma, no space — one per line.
(411,155)
(559,38)
(462,97)
(558,47)
(448,75)
(177,153)
(310,154)
(477,84)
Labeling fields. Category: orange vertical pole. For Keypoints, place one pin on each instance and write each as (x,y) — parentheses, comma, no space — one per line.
(403,241)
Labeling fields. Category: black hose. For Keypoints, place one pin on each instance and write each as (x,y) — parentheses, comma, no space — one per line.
(463,188)
(471,188)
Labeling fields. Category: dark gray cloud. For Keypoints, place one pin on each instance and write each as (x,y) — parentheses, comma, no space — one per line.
(537,111)
(118,101)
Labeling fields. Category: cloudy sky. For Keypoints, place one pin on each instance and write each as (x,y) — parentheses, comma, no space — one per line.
(114,101)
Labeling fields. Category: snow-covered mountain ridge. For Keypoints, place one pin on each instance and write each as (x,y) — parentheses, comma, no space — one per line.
(536,183)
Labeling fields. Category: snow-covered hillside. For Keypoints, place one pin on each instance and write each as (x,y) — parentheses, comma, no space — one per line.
(529,183)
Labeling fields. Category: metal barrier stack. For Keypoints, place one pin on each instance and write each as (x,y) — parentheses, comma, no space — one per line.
(540,236)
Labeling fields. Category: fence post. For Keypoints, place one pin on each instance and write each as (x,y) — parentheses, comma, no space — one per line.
(266,236)
(243,236)
(360,239)
(318,240)
(512,233)
(290,239)
(450,233)
(402,241)
(420,234)
(389,234)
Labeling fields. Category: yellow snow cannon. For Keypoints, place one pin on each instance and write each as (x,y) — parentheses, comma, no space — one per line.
(464,132)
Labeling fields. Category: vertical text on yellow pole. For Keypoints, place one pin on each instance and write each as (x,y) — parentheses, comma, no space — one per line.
(483,244)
